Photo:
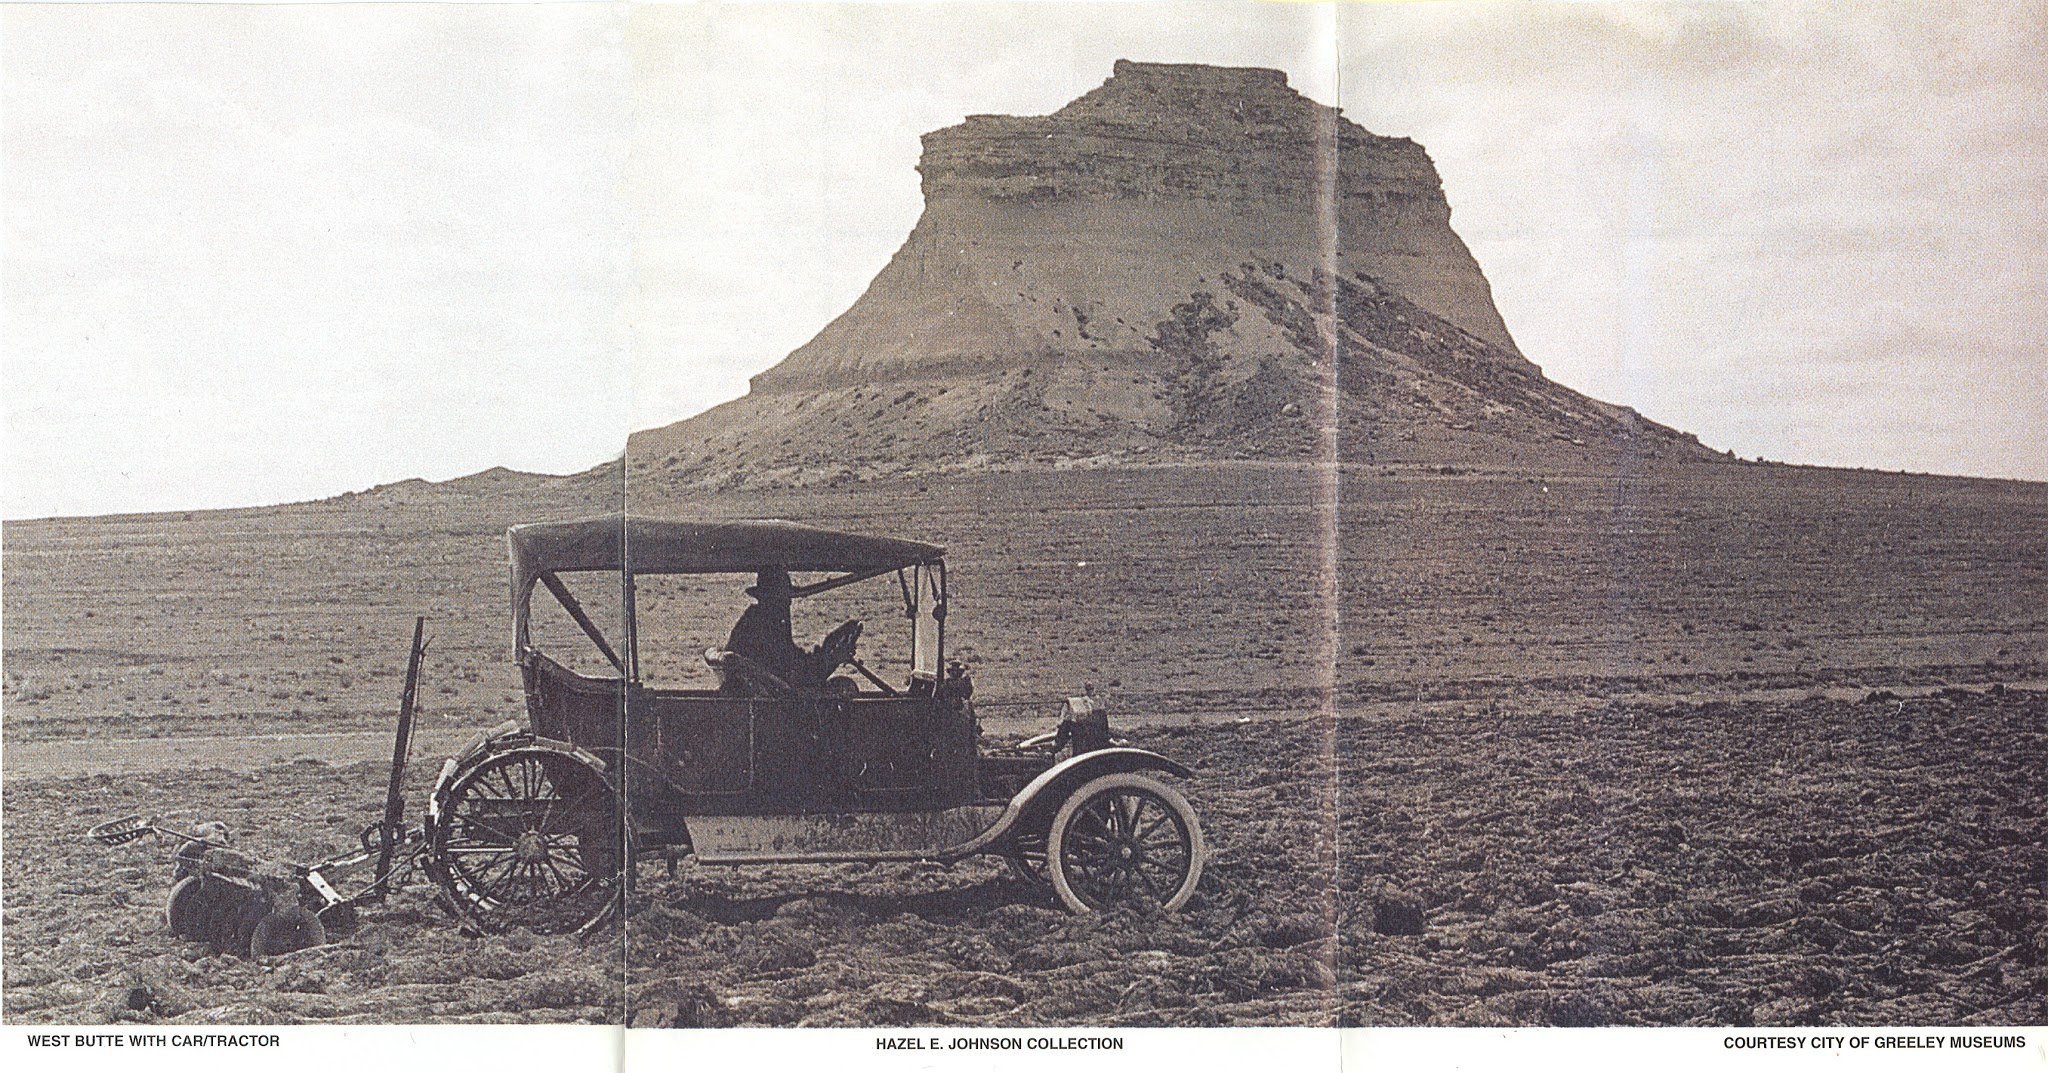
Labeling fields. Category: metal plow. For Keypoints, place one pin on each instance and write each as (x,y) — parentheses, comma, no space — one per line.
(241,905)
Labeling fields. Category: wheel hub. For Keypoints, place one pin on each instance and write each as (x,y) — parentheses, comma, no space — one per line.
(530,849)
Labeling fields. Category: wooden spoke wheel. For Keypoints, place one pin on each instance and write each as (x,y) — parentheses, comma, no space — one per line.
(1125,841)
(1027,862)
(532,838)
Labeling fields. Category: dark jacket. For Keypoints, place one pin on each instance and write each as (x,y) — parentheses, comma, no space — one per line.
(763,634)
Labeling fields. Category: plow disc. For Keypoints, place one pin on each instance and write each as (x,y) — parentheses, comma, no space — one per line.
(221,898)
(239,905)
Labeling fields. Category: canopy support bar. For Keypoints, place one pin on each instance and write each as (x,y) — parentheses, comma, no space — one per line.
(575,610)
(841,581)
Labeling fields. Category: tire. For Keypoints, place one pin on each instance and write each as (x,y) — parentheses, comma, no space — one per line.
(530,837)
(185,908)
(1125,841)
(285,930)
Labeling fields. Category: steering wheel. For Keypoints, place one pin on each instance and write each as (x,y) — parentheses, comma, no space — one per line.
(837,649)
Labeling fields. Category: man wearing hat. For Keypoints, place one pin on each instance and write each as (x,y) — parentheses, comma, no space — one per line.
(763,634)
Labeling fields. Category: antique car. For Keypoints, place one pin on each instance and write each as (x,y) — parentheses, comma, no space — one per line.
(540,824)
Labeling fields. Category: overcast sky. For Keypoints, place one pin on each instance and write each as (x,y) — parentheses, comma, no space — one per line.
(263,254)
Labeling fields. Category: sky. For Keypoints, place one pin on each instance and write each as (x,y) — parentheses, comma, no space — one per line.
(263,254)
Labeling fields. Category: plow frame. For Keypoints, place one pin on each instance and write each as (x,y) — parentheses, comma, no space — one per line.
(388,846)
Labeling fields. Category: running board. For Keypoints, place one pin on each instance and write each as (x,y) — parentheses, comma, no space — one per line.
(948,834)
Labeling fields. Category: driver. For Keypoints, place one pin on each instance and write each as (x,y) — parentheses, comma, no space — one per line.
(763,633)
(763,638)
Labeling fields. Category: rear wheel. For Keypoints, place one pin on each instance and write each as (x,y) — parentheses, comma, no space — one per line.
(1125,841)
(531,838)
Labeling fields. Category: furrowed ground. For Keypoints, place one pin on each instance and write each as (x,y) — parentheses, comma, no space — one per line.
(1601,752)
(1812,863)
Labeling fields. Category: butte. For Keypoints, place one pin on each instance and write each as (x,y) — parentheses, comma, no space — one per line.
(1186,263)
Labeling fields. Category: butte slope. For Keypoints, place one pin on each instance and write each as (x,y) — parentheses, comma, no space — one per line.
(1187,262)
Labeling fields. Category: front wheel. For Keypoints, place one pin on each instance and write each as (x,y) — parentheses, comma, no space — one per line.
(531,838)
(1027,863)
(1125,840)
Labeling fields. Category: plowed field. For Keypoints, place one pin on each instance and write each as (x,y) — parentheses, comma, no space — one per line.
(1805,863)
(1732,745)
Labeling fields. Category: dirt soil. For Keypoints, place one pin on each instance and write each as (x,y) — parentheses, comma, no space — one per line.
(1809,863)
(1197,589)
(1602,752)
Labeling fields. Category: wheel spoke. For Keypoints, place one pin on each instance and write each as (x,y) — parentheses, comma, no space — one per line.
(478,878)
(1165,838)
(491,886)
(1173,876)
(561,881)
(568,811)
(516,883)
(1112,816)
(1094,845)
(1089,824)
(1126,813)
(547,812)
(470,820)
(569,857)
(1145,830)
(500,853)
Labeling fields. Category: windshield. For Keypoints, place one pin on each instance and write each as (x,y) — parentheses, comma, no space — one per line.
(682,615)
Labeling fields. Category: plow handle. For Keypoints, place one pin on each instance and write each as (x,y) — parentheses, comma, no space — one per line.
(401,749)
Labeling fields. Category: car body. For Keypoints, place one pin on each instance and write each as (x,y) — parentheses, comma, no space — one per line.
(537,823)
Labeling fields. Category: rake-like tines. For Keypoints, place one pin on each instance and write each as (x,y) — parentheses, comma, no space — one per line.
(126,829)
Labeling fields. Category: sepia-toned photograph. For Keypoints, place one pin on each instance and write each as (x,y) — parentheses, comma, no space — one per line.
(994,516)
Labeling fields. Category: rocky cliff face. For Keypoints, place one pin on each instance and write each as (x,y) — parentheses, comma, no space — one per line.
(1187,261)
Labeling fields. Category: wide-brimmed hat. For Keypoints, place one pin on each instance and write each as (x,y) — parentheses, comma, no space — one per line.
(772,583)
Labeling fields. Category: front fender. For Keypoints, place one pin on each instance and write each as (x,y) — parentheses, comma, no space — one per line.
(1031,810)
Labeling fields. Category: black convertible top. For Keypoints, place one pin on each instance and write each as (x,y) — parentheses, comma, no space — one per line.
(663,546)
